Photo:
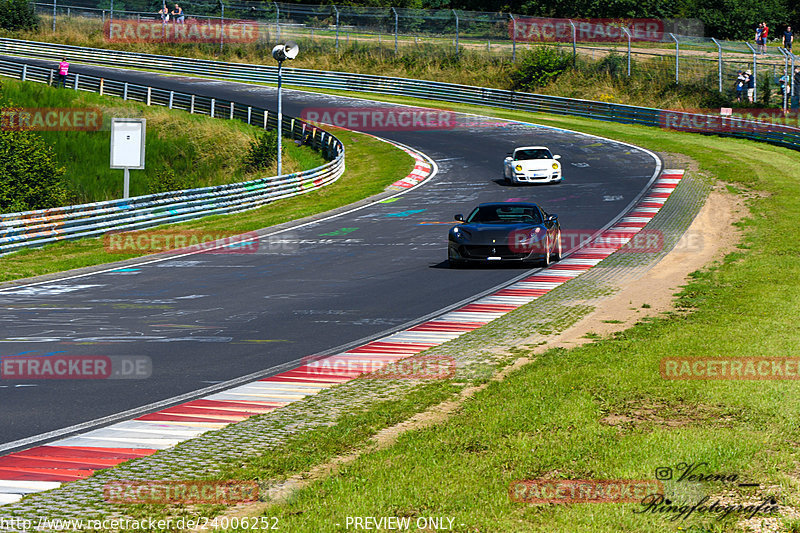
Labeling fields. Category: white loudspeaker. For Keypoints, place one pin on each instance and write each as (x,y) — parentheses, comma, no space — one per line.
(282,52)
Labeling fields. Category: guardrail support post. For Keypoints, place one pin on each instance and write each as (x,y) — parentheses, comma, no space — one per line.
(513,37)
(337,27)
(171,98)
(396,18)
(191,106)
(54,16)
(101,86)
(24,72)
(249,113)
(719,62)
(149,89)
(231,117)
(755,71)
(77,77)
(213,104)
(677,57)
(125,91)
(104,17)
(50,80)
(785,86)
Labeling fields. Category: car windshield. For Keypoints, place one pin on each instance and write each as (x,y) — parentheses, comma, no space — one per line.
(505,214)
(533,153)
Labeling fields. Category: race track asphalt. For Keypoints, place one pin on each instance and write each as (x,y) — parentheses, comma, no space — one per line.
(209,318)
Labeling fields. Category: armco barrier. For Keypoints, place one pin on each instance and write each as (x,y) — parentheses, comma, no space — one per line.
(431,90)
(36,228)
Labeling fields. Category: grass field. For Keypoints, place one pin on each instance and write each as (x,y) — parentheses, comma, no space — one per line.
(200,150)
(602,411)
(360,180)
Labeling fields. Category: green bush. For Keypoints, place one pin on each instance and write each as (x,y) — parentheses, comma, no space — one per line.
(263,152)
(166,180)
(30,177)
(17,15)
(538,67)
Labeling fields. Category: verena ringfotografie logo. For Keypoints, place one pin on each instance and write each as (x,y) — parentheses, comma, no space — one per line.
(414,367)
(76,367)
(735,368)
(180,242)
(193,31)
(385,118)
(181,492)
(586,30)
(567,491)
(727,120)
(51,119)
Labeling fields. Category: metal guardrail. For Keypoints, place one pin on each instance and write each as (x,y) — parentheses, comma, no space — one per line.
(36,228)
(431,90)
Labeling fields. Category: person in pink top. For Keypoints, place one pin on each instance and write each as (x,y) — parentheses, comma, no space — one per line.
(63,71)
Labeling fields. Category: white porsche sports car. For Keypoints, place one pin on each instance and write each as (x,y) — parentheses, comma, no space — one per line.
(532,164)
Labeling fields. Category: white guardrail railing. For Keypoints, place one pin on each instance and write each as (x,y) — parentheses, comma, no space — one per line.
(45,226)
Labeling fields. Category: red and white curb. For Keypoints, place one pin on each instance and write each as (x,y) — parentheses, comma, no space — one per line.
(422,169)
(77,457)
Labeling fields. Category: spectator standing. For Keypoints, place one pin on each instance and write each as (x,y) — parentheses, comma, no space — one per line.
(63,72)
(764,37)
(164,12)
(177,14)
(759,35)
(788,37)
(750,83)
(785,83)
(740,81)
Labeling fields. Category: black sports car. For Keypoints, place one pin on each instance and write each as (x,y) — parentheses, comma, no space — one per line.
(505,232)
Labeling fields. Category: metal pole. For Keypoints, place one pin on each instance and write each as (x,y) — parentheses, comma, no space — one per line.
(677,57)
(111,13)
(395,29)
(221,25)
(785,86)
(755,71)
(126,184)
(456,15)
(280,118)
(277,21)
(574,38)
(337,27)
(54,16)
(513,37)
(627,33)
(719,61)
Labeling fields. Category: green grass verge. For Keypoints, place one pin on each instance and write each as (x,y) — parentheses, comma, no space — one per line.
(202,151)
(602,411)
(371,166)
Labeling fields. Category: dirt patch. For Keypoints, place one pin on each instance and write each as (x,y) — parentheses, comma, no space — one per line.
(710,236)
(666,415)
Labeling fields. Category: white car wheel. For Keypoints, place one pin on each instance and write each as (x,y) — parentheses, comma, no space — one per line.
(546,259)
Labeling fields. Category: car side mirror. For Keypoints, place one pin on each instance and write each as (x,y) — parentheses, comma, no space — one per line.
(459,218)
(552,218)
(508,158)
(556,157)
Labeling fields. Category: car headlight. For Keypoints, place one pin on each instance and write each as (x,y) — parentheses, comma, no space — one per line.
(518,168)
(555,166)
(458,235)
